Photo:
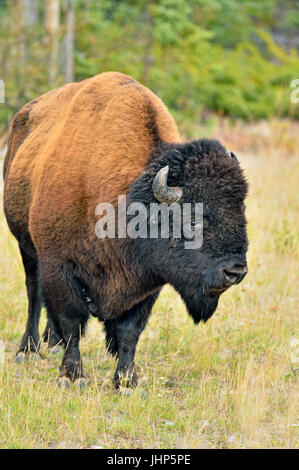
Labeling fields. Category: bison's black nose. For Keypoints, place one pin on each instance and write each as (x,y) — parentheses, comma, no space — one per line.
(234,274)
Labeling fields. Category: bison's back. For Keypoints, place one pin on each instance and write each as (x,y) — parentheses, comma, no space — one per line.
(76,146)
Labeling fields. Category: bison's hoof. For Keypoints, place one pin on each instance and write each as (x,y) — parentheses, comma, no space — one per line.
(20,358)
(81,382)
(124,392)
(125,381)
(34,357)
(64,382)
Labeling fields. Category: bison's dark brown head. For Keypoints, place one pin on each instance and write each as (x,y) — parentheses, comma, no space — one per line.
(204,172)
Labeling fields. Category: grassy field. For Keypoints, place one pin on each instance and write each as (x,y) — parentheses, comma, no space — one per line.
(230,383)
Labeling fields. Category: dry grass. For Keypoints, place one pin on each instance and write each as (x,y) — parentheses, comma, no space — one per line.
(228,384)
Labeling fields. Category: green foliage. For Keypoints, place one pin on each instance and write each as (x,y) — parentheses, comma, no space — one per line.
(196,55)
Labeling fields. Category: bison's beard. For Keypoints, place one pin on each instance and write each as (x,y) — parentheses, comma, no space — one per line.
(202,305)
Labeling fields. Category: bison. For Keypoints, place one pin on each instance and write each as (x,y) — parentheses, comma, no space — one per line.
(89,142)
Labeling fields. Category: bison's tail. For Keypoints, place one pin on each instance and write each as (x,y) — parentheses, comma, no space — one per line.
(18,131)
(7,157)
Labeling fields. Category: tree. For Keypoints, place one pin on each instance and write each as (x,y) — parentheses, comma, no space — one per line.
(30,12)
(69,40)
(52,21)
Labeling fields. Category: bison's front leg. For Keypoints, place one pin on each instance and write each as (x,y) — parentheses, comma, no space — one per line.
(71,369)
(122,336)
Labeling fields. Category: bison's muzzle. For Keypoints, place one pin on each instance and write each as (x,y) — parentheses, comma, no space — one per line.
(233,275)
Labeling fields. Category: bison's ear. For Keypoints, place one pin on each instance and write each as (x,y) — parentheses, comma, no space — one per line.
(162,192)
(233,155)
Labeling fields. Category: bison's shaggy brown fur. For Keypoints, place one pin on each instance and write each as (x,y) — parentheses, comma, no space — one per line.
(85,142)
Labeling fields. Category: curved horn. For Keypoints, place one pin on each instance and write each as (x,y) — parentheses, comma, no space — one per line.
(233,155)
(162,192)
